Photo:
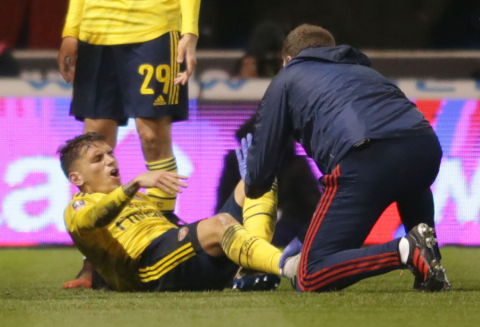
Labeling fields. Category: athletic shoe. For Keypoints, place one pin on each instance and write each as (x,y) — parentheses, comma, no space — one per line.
(422,261)
(249,281)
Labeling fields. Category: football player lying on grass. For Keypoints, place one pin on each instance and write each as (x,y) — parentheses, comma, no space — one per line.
(133,247)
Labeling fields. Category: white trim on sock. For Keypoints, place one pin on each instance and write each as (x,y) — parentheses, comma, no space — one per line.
(404,249)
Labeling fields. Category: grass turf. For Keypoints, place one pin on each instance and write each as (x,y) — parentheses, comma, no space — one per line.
(31,295)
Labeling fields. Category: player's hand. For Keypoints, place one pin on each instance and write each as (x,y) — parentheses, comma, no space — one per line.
(166,181)
(67,58)
(242,154)
(187,48)
(84,281)
(293,248)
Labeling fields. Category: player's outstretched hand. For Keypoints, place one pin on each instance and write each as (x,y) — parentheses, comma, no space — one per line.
(242,154)
(166,181)
(67,58)
(293,248)
(187,47)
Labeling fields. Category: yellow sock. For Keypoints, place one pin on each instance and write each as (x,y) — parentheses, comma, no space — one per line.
(165,201)
(260,215)
(249,251)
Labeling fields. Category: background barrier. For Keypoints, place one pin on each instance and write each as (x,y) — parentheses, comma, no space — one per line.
(34,121)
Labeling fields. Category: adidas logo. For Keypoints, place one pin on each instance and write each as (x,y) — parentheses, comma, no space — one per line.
(160,101)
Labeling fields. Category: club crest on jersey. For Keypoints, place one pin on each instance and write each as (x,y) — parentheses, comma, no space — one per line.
(182,233)
(77,205)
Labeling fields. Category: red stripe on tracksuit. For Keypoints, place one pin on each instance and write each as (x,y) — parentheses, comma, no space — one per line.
(327,198)
(381,265)
(348,265)
(331,274)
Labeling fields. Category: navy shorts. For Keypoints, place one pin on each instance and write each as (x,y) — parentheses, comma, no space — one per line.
(175,261)
(129,81)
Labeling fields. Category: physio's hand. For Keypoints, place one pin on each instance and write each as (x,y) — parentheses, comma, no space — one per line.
(187,47)
(242,154)
(67,58)
(293,248)
(166,181)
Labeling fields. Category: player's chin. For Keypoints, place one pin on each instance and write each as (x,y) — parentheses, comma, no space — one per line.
(115,181)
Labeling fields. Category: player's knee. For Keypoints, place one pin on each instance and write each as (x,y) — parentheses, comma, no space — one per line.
(151,138)
(222,222)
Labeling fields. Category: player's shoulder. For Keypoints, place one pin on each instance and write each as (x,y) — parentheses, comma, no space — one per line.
(81,200)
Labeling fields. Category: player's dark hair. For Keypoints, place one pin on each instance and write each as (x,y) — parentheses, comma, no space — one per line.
(71,151)
(306,36)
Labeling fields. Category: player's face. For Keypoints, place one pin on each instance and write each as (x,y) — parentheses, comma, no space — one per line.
(97,169)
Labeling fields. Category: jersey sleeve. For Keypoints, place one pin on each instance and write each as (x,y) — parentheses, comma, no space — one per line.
(74,18)
(272,132)
(190,11)
(86,214)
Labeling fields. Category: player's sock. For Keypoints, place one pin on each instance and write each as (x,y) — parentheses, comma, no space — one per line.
(404,249)
(249,251)
(165,201)
(260,215)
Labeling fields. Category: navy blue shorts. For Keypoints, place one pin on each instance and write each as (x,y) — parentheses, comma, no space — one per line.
(175,261)
(129,81)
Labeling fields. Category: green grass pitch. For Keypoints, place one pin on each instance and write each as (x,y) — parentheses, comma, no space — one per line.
(31,295)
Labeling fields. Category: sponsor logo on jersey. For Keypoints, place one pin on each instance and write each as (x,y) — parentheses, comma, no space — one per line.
(77,205)
(182,233)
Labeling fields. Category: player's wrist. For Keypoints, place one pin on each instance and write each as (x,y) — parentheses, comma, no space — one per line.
(132,187)
(190,36)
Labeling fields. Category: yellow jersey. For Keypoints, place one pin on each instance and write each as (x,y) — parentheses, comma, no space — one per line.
(114,246)
(111,22)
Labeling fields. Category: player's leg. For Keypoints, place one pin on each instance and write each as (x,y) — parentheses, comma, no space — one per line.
(156,137)
(147,72)
(223,235)
(106,127)
(191,258)
(260,221)
(258,216)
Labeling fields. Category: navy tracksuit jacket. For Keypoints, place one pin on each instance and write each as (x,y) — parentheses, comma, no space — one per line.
(373,146)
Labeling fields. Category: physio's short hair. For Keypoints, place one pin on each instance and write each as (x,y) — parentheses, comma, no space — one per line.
(306,36)
(73,149)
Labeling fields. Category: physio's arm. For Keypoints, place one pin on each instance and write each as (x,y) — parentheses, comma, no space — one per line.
(272,131)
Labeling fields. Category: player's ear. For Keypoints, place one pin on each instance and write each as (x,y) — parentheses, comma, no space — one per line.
(286,60)
(76,179)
